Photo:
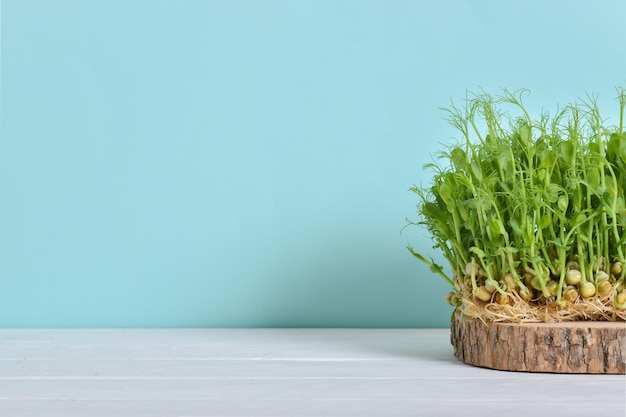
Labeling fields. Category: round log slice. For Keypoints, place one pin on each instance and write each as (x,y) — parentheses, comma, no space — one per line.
(586,347)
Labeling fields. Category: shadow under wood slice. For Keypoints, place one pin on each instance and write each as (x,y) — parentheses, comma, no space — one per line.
(590,347)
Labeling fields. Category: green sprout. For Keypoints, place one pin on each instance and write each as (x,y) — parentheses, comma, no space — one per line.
(530,212)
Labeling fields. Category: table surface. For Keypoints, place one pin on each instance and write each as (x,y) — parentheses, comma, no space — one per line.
(276,372)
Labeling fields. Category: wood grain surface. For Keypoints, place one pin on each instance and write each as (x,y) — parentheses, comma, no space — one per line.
(568,347)
(276,372)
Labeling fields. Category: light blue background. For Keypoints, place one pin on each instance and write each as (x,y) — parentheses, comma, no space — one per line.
(246,163)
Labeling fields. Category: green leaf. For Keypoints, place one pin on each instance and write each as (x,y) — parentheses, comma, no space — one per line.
(462,209)
(544,221)
(459,159)
(476,170)
(611,187)
(593,179)
(504,159)
(497,228)
(478,252)
(432,211)
(506,186)
(541,174)
(445,192)
(607,203)
(434,268)
(525,133)
(514,223)
(547,158)
(551,193)
(579,219)
(562,203)
(566,152)
(616,147)
(593,148)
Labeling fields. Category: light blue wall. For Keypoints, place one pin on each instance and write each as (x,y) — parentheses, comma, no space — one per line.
(246,163)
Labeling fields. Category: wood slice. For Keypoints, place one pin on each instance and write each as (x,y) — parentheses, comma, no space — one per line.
(590,347)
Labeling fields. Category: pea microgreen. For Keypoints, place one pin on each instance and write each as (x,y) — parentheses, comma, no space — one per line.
(530,213)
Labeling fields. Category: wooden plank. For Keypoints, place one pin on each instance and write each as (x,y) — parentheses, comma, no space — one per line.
(225,343)
(275,372)
(240,368)
(309,408)
(390,389)
(94,369)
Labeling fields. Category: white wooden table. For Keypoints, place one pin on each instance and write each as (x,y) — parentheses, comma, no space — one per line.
(276,372)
